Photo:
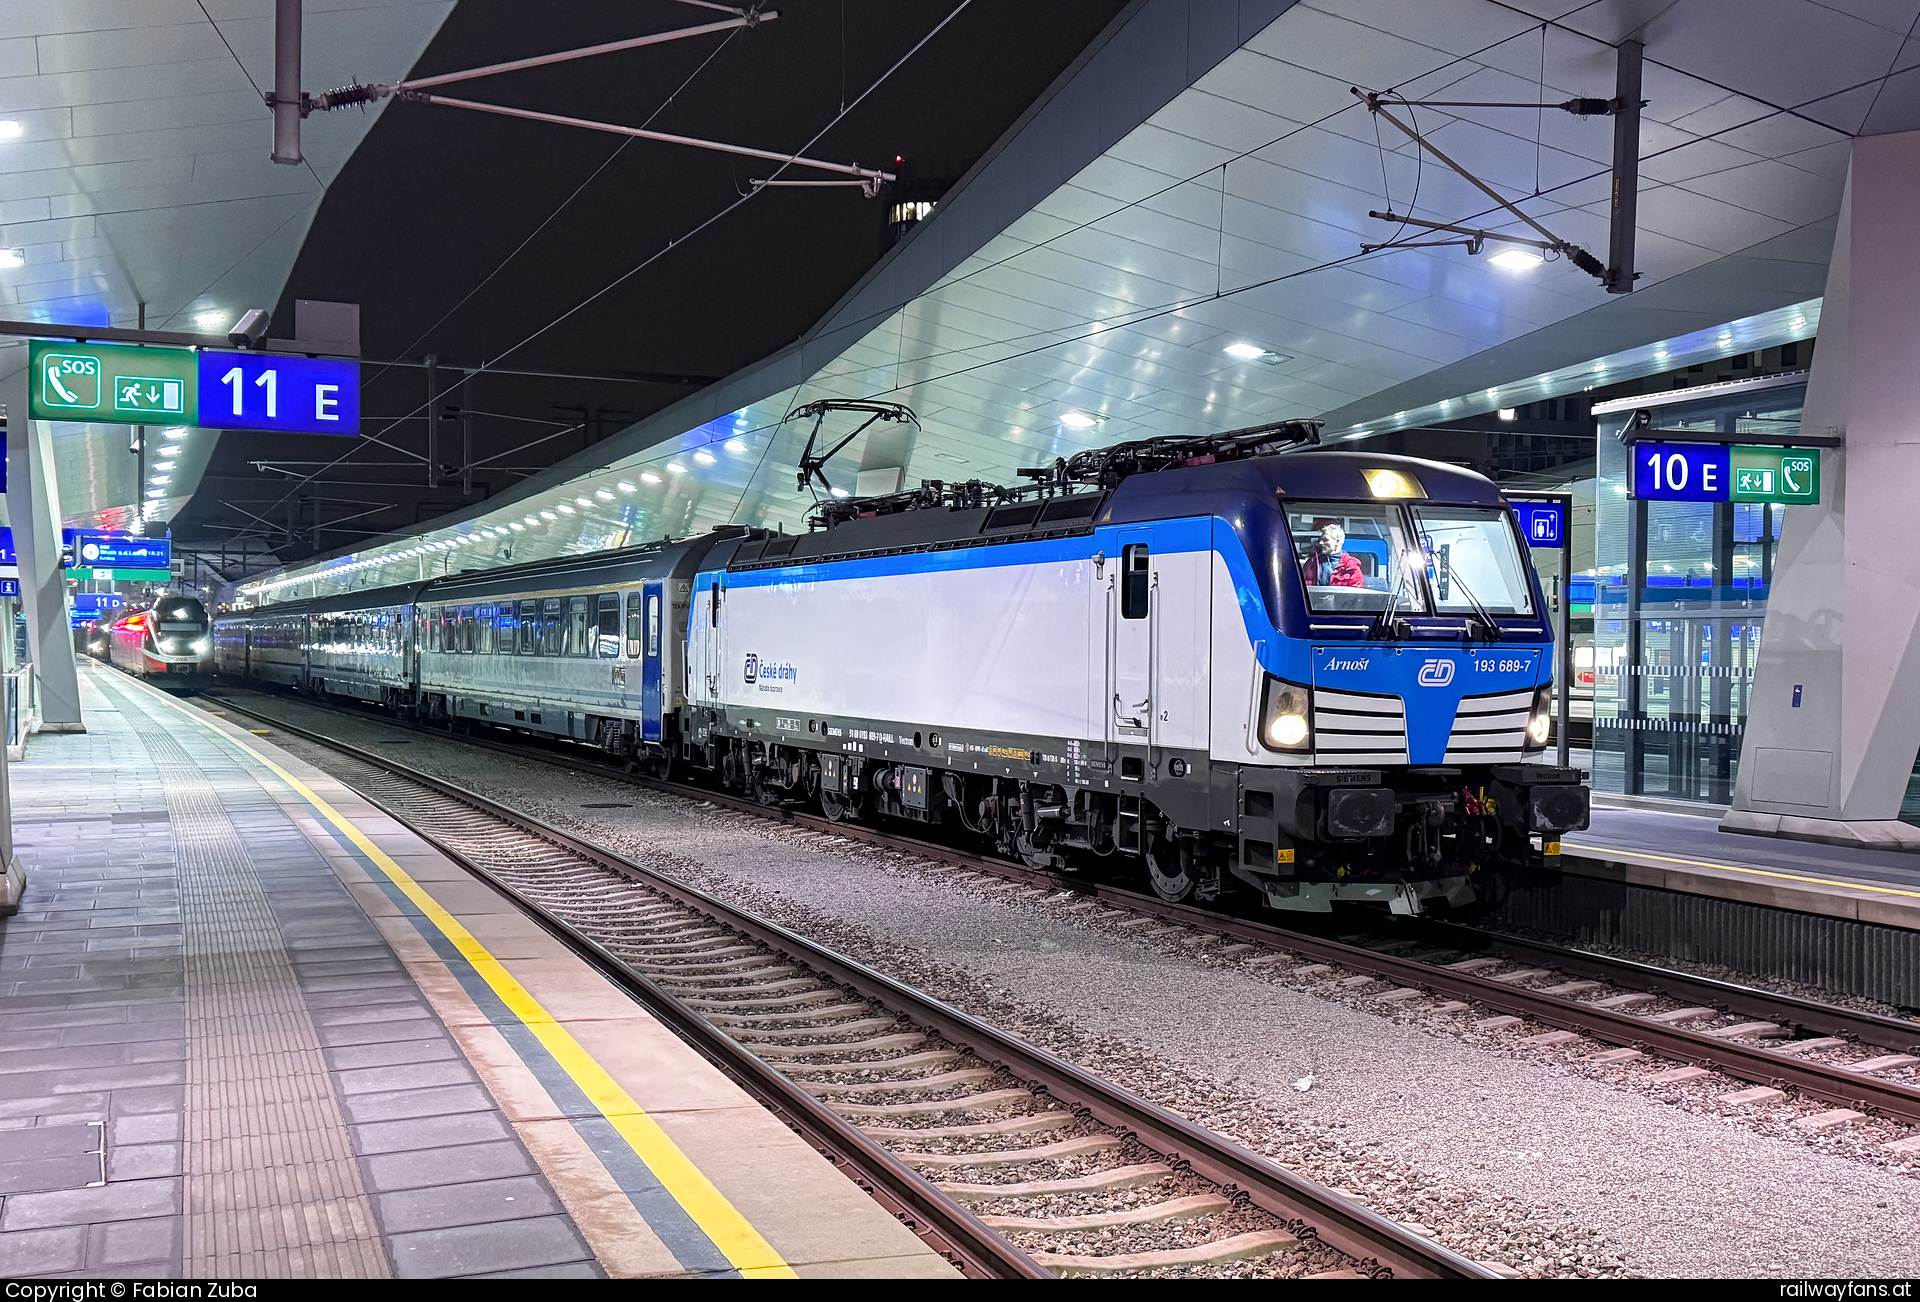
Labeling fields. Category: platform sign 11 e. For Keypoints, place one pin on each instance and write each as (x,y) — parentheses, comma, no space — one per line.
(102,382)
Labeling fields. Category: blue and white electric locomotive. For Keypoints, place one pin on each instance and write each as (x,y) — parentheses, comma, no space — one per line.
(1323,676)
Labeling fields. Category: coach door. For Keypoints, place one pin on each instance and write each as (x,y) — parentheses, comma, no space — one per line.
(652,615)
(1130,640)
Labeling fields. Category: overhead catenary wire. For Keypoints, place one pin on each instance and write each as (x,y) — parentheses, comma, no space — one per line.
(718,215)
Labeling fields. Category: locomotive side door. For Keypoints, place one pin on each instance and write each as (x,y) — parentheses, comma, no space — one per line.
(1130,641)
(652,642)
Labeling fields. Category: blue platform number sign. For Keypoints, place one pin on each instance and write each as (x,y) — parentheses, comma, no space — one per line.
(7,555)
(1682,472)
(274,391)
(1544,523)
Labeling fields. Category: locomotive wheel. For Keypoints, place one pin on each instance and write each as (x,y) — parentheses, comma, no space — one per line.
(836,807)
(1170,871)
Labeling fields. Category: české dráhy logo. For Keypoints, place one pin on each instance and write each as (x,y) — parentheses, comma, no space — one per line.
(753,666)
(1436,673)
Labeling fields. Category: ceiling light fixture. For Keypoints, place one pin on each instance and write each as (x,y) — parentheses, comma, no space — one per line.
(1508,413)
(603,494)
(1516,260)
(1245,352)
(736,445)
(675,468)
(13,258)
(648,477)
(10,129)
(704,457)
(1078,420)
(839,492)
(210,319)
(624,486)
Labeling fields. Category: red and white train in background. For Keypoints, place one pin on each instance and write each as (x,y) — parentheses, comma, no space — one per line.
(172,637)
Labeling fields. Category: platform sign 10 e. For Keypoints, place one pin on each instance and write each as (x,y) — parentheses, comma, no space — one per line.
(1708,472)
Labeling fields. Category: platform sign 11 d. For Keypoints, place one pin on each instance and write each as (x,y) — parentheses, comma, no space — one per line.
(102,382)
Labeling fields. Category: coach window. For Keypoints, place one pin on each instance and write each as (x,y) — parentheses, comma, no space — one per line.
(483,630)
(466,630)
(607,639)
(1135,573)
(634,625)
(552,620)
(579,635)
(529,627)
(433,628)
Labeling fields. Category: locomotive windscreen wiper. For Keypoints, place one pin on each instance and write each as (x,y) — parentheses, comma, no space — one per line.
(1480,612)
(1384,624)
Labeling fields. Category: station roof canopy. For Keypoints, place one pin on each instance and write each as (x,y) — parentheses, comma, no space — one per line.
(135,172)
(1169,243)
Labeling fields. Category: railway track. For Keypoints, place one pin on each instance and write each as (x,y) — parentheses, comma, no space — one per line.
(1855,1060)
(1011,1160)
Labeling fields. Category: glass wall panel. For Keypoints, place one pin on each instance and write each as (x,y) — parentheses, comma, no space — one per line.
(1680,599)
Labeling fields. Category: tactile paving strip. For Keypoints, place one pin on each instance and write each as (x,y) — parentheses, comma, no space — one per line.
(272,1188)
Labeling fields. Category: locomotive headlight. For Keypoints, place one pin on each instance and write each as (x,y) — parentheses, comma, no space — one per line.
(1540,719)
(1286,716)
(201,647)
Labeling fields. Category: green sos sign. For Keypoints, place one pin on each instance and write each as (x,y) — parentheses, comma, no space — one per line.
(109,383)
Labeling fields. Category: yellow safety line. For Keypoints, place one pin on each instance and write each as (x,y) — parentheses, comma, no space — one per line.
(1754,872)
(730,1231)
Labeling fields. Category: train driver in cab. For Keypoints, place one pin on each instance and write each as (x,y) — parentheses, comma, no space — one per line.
(1328,564)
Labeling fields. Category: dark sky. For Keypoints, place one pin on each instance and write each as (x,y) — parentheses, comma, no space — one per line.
(437,199)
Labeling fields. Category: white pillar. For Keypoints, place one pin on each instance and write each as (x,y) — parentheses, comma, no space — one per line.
(33,503)
(1835,716)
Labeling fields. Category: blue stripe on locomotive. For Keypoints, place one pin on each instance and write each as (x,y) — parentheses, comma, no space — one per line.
(1391,668)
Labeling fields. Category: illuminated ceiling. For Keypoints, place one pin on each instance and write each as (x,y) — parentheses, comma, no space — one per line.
(1086,283)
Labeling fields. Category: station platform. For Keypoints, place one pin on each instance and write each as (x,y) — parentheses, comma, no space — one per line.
(1679,850)
(251,1027)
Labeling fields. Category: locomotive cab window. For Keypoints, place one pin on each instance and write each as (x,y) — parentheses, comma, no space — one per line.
(1475,557)
(1135,576)
(607,631)
(1354,556)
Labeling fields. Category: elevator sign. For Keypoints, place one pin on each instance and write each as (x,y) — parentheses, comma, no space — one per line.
(1714,472)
